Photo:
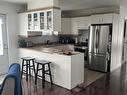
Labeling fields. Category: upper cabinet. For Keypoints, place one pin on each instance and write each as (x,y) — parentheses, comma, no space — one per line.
(23,24)
(72,25)
(83,22)
(101,18)
(65,26)
(45,21)
(40,20)
(80,23)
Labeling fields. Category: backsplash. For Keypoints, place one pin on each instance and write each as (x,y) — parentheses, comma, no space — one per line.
(42,39)
(83,37)
(61,38)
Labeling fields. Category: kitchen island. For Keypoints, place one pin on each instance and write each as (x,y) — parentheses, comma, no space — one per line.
(67,69)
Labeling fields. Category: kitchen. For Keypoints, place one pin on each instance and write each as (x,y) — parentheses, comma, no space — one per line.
(69,39)
(64,35)
(84,43)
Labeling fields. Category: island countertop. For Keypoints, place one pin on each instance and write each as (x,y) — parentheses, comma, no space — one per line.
(62,49)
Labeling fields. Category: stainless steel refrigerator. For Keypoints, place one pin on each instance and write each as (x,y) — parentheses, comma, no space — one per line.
(100,47)
(124,50)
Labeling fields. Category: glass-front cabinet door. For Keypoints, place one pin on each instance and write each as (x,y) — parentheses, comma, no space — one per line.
(29,21)
(49,19)
(35,21)
(42,20)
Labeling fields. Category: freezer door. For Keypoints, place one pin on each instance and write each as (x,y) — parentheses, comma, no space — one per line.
(98,39)
(98,62)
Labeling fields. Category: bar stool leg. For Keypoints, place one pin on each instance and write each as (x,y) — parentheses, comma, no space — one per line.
(27,70)
(50,74)
(43,76)
(34,67)
(36,74)
(22,68)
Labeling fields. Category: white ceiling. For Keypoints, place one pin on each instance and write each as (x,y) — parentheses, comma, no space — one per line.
(79,4)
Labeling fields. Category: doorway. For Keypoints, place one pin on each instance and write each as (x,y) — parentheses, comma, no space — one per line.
(4,64)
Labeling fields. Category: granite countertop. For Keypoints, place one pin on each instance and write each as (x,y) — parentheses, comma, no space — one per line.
(62,49)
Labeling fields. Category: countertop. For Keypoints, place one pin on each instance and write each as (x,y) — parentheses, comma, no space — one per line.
(63,49)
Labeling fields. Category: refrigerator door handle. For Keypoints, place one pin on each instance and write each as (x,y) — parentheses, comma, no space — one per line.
(102,55)
(95,40)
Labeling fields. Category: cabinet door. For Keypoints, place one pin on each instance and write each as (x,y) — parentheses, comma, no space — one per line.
(80,22)
(107,18)
(101,19)
(49,20)
(95,19)
(65,26)
(42,20)
(35,21)
(29,21)
(23,24)
(74,26)
(83,22)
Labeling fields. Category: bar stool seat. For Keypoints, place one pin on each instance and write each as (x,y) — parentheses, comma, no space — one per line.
(41,66)
(28,63)
(28,58)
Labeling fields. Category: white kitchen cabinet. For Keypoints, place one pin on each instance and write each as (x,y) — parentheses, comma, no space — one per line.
(56,20)
(72,25)
(74,29)
(79,23)
(45,21)
(101,18)
(65,26)
(23,24)
(83,22)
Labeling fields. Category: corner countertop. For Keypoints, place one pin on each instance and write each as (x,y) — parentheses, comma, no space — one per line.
(62,49)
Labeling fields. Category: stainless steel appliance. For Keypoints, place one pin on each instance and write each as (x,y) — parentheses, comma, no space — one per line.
(100,47)
(124,50)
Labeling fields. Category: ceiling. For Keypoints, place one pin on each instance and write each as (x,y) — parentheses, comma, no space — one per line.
(81,4)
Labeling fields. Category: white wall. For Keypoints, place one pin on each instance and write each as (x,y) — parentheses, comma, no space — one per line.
(12,27)
(115,36)
(123,14)
(42,4)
